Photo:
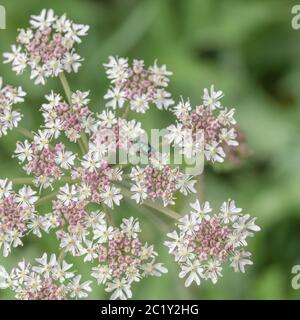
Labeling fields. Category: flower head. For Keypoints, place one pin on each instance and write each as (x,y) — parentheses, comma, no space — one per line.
(137,85)
(207,240)
(48,280)
(47,47)
(9,96)
(207,129)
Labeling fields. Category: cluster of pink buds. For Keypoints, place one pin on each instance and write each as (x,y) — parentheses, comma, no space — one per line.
(207,240)
(46,162)
(48,280)
(61,117)
(159,182)
(137,86)
(123,259)
(47,47)
(18,216)
(9,96)
(208,128)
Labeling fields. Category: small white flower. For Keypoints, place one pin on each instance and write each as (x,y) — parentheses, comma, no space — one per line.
(201,211)
(131,227)
(140,104)
(24,151)
(193,270)
(101,273)
(116,69)
(153,269)
(116,97)
(103,233)
(108,118)
(44,20)
(26,197)
(214,152)
(140,193)
(185,185)
(5,188)
(71,61)
(229,212)
(79,290)
(228,136)
(61,272)
(240,260)
(67,194)
(120,288)
(90,251)
(111,195)
(176,242)
(245,226)
(211,99)
(213,270)
(65,159)
(91,161)
(45,268)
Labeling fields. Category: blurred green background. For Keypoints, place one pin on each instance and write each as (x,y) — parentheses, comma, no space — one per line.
(246,48)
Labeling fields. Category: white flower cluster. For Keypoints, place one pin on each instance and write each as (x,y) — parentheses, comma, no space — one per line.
(205,241)
(162,182)
(47,47)
(71,119)
(48,280)
(18,216)
(122,259)
(9,96)
(207,129)
(137,86)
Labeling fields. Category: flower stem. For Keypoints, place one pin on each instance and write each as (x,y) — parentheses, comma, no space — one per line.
(66,87)
(107,214)
(167,211)
(124,116)
(81,146)
(25,132)
(25,180)
(61,256)
(46,198)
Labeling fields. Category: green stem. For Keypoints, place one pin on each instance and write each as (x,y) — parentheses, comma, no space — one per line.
(124,116)
(46,198)
(200,187)
(167,211)
(26,180)
(25,132)
(29,180)
(66,87)
(81,146)
(107,214)
(61,256)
